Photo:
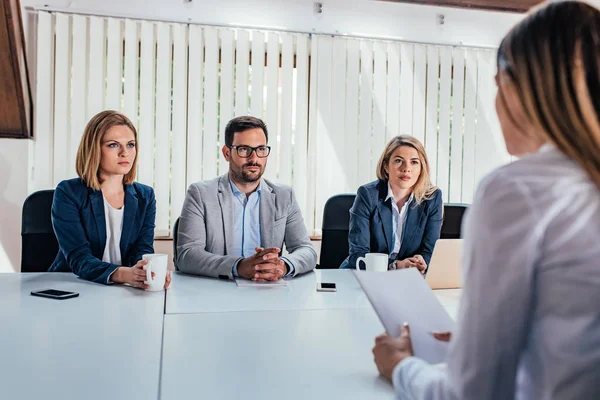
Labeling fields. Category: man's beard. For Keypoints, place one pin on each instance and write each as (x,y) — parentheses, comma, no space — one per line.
(245,177)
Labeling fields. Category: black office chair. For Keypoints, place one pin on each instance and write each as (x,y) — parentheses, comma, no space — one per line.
(453,216)
(175,230)
(336,225)
(39,244)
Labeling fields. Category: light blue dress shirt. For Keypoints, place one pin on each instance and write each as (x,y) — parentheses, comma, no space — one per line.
(246,225)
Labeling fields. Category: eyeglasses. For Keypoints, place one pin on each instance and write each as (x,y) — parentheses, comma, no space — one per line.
(246,151)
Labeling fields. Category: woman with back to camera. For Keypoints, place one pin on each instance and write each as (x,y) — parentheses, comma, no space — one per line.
(399,214)
(529,321)
(103,220)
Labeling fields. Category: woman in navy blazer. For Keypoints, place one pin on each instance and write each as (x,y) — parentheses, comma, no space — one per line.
(97,247)
(400,214)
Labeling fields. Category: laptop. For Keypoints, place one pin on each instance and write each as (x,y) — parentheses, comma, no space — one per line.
(445,265)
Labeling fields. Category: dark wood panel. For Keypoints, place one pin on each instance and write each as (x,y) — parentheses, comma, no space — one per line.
(15,93)
(495,5)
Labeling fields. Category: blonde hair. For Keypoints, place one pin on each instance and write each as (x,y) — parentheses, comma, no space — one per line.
(423,189)
(553,60)
(89,153)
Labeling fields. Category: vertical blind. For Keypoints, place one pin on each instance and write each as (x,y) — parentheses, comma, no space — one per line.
(364,92)
(330,104)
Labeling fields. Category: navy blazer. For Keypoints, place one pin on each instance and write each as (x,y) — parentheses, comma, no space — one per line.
(371,229)
(80,227)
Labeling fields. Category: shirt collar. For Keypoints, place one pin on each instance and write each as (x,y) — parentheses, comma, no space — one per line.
(545,148)
(237,192)
(390,195)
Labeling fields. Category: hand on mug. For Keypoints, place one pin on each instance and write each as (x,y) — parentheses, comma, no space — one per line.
(135,276)
(167,280)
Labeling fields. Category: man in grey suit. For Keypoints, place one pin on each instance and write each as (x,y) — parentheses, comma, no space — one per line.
(235,225)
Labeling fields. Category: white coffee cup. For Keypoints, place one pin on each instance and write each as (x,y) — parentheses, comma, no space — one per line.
(157,263)
(377,262)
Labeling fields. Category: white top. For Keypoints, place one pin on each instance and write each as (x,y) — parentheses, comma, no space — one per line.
(114,225)
(399,216)
(529,319)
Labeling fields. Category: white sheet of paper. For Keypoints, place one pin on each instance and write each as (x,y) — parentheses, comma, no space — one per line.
(241,282)
(403,296)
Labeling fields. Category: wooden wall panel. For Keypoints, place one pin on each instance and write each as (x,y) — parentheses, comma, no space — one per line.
(15,93)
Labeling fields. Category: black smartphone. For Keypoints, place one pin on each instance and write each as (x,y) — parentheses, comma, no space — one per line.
(55,294)
(326,287)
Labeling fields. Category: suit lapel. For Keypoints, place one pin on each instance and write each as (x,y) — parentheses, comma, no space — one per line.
(97,202)
(413,219)
(385,214)
(129,213)
(225,198)
(384,208)
(267,214)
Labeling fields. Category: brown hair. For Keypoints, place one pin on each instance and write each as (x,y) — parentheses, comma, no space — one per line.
(89,153)
(553,59)
(423,189)
(241,124)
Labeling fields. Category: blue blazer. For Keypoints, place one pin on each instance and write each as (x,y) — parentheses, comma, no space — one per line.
(80,227)
(371,222)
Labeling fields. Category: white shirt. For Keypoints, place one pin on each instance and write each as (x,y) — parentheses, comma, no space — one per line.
(529,319)
(114,225)
(399,216)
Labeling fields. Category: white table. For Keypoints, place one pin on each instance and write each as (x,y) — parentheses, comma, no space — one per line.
(225,342)
(216,340)
(104,344)
(193,294)
(297,354)
(450,299)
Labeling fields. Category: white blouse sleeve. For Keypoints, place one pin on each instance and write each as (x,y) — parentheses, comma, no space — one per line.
(501,243)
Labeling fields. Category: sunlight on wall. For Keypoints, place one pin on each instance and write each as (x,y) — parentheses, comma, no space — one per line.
(5,264)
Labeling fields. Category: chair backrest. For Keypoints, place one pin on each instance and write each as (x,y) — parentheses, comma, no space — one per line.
(39,244)
(175,231)
(335,228)
(453,216)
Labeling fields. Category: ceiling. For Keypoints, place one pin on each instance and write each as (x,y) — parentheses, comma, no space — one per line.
(494,5)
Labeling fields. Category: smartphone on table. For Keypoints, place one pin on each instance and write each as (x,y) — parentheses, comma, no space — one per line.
(55,294)
(326,287)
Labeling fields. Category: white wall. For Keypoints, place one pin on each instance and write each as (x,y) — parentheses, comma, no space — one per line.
(14,164)
(350,17)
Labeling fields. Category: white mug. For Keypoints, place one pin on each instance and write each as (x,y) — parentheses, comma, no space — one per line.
(377,262)
(157,263)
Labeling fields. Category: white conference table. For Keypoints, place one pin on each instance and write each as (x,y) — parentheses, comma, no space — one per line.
(206,339)
(295,354)
(227,342)
(104,344)
(192,294)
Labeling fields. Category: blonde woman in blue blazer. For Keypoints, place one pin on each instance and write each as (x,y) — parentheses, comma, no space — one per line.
(400,214)
(103,220)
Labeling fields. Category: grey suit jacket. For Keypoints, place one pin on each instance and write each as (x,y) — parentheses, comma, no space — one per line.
(205,237)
